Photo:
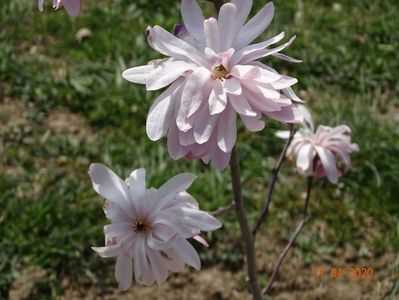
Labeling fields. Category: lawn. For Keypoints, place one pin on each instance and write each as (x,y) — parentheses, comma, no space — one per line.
(63,105)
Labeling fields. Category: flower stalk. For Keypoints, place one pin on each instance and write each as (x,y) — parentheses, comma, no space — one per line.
(273,181)
(247,237)
(292,239)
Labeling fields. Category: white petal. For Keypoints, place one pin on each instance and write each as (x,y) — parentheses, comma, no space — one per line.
(284,82)
(329,164)
(124,271)
(174,185)
(138,74)
(256,26)
(175,150)
(108,251)
(241,105)
(287,58)
(193,95)
(162,111)
(170,45)
(305,157)
(217,99)
(227,130)
(188,253)
(196,219)
(142,270)
(226,21)
(212,35)
(232,86)
(243,10)
(137,184)
(204,125)
(158,266)
(110,186)
(40,4)
(249,53)
(166,73)
(193,19)
(253,124)
(72,7)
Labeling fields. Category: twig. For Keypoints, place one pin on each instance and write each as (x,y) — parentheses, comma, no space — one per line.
(222,210)
(292,239)
(273,181)
(243,222)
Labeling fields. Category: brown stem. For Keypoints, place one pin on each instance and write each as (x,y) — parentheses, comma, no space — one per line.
(292,239)
(222,210)
(243,222)
(273,181)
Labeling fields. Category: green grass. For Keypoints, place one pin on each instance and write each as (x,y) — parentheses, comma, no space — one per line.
(50,216)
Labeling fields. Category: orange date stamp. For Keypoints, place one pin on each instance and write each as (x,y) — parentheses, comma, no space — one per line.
(344,272)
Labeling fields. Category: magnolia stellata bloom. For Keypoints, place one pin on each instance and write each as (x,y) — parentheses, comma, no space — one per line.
(213,76)
(317,152)
(71,6)
(150,227)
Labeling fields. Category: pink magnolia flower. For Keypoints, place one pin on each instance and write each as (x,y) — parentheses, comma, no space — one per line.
(213,76)
(71,6)
(150,227)
(317,152)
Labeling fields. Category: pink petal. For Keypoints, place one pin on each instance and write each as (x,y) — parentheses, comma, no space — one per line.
(108,251)
(329,164)
(201,240)
(253,124)
(227,130)
(111,187)
(162,112)
(211,29)
(142,270)
(138,74)
(241,105)
(193,19)
(158,266)
(256,26)
(217,99)
(170,45)
(226,21)
(124,271)
(188,253)
(72,7)
(232,86)
(166,73)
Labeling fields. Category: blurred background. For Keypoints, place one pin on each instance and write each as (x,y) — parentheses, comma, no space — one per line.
(63,105)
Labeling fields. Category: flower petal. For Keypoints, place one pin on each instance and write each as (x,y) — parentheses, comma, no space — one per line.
(142,270)
(124,271)
(188,253)
(138,74)
(227,130)
(162,112)
(217,99)
(329,164)
(108,251)
(255,26)
(166,43)
(193,19)
(158,266)
(241,105)
(212,34)
(72,7)
(166,73)
(110,186)
(226,21)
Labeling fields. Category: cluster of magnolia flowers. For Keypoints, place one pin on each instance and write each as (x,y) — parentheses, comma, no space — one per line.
(212,74)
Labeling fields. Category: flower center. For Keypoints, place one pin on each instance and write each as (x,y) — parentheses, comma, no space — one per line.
(220,72)
(140,225)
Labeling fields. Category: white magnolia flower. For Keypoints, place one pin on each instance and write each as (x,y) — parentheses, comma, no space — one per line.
(149,226)
(214,75)
(316,153)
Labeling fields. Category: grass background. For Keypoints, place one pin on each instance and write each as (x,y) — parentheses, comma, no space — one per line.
(63,105)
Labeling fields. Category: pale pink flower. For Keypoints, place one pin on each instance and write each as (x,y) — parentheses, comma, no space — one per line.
(149,226)
(71,6)
(213,76)
(316,153)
